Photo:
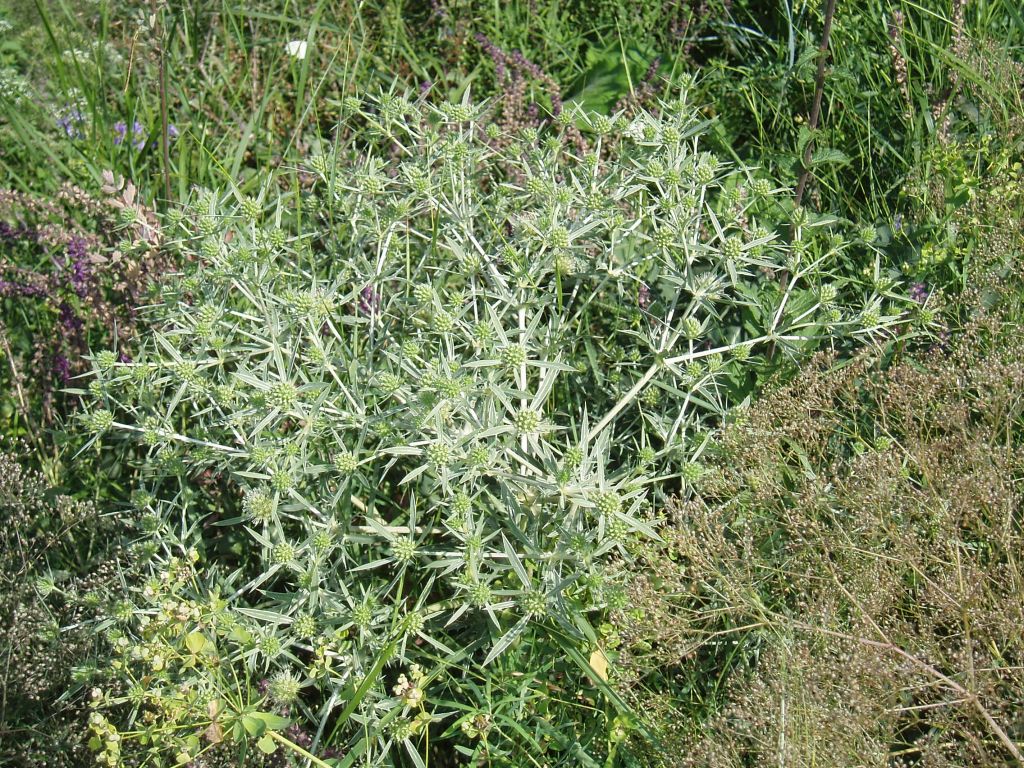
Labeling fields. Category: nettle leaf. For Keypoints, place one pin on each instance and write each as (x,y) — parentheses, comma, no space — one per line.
(253,726)
(195,642)
(609,76)
(828,156)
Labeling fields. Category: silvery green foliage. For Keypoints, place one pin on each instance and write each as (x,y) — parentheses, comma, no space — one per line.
(439,403)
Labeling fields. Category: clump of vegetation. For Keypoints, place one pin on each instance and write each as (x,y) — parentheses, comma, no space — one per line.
(73,271)
(847,579)
(58,567)
(436,405)
(431,428)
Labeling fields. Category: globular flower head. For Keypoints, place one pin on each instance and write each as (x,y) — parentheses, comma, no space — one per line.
(526,421)
(513,356)
(362,616)
(283,553)
(573,456)
(438,455)
(259,506)
(412,623)
(285,688)
(346,462)
(534,603)
(100,420)
(608,503)
(282,481)
(322,541)
(304,626)
(404,550)
(732,248)
(479,594)
(269,646)
(106,360)
(691,472)
(282,395)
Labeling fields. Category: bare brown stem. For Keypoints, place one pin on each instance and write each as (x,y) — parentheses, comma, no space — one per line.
(165,150)
(819,89)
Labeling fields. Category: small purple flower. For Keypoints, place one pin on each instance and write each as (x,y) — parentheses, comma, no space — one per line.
(643,296)
(300,736)
(369,301)
(172,131)
(70,120)
(919,293)
(438,11)
(138,135)
(897,222)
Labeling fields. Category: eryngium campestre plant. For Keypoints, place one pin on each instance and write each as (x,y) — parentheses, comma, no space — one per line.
(439,402)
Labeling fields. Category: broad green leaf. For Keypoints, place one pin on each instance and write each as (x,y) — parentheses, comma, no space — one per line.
(267,745)
(195,642)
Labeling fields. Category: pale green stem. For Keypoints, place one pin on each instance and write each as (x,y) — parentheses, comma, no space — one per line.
(625,400)
(296,748)
(672,361)
(183,439)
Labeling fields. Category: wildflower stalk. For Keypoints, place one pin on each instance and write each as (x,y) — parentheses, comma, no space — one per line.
(626,399)
(184,439)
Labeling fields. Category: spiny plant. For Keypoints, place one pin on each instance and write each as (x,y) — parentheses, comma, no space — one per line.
(395,434)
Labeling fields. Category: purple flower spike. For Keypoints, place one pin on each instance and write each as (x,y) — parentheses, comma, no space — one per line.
(78,262)
(69,321)
(120,131)
(61,368)
(7,288)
